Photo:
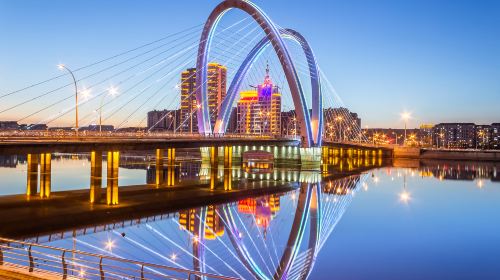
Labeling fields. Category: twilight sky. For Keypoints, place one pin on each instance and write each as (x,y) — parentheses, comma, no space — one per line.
(438,59)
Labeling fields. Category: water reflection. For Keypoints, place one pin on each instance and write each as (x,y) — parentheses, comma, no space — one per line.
(274,236)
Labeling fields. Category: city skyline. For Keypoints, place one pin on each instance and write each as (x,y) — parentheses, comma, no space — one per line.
(437,85)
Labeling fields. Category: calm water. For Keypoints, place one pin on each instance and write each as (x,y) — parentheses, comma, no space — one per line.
(438,221)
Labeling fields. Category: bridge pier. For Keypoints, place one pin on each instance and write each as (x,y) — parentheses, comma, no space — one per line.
(170,167)
(33,160)
(113,161)
(45,174)
(32,175)
(228,172)
(160,179)
(95,176)
(214,166)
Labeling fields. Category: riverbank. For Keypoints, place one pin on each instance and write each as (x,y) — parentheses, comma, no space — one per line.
(441,154)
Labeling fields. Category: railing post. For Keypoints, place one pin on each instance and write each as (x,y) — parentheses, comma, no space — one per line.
(142,273)
(64,265)
(30,257)
(101,271)
(1,255)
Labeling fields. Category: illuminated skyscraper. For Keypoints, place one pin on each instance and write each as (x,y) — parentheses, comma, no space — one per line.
(259,111)
(188,118)
(216,90)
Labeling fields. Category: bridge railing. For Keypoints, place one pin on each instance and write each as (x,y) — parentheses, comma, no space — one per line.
(75,264)
(89,135)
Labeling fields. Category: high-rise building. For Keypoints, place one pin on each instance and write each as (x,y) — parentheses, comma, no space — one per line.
(216,91)
(259,111)
(188,118)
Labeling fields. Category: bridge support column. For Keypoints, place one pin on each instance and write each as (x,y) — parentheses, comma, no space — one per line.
(214,165)
(112,180)
(160,178)
(45,174)
(32,175)
(228,172)
(95,176)
(171,167)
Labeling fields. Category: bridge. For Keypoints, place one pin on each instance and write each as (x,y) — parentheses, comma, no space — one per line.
(317,136)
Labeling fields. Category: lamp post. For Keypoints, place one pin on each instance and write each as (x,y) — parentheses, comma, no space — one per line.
(64,67)
(405,116)
(111,91)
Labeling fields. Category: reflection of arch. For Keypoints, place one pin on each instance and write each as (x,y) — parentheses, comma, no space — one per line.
(273,34)
(316,116)
(308,206)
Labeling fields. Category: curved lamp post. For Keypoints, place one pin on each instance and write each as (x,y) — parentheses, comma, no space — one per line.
(64,67)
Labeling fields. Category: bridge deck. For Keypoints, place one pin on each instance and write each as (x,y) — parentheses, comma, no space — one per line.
(87,144)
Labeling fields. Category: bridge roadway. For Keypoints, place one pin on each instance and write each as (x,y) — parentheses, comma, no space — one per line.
(26,145)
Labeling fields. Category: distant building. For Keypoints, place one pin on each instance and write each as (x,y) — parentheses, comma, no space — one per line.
(61,128)
(8,125)
(216,90)
(259,111)
(454,135)
(289,124)
(425,134)
(96,127)
(164,120)
(495,136)
(483,135)
(37,127)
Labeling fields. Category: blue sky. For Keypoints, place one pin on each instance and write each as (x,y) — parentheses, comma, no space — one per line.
(438,59)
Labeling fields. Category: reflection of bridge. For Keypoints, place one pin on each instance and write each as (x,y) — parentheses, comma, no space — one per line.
(317,212)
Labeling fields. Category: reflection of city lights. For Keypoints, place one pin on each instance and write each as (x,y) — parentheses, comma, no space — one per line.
(480,184)
(376,179)
(195,239)
(109,245)
(82,273)
(404,197)
(365,186)
(173,256)
(293,196)
(240,235)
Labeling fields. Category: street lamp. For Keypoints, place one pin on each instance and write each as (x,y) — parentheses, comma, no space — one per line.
(112,91)
(405,116)
(64,67)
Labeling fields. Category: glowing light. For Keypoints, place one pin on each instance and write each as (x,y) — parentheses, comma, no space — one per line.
(195,239)
(60,66)
(480,184)
(405,116)
(113,90)
(376,179)
(173,256)
(86,94)
(110,244)
(82,273)
(404,197)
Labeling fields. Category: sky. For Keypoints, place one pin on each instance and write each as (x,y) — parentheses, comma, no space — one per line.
(438,59)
